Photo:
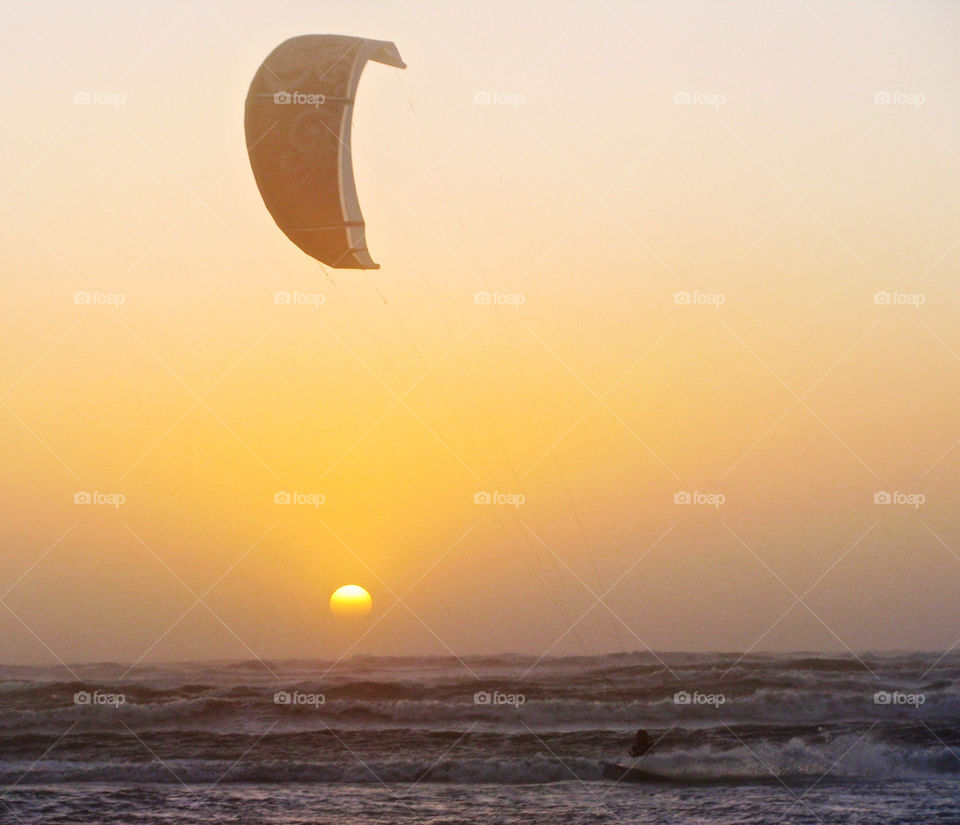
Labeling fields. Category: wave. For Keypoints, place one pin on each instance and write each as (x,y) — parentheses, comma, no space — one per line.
(226,711)
(394,704)
(850,757)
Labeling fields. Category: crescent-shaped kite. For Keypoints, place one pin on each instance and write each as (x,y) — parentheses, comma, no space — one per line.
(297,124)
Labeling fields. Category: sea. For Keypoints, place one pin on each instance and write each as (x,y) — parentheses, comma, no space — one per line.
(760,738)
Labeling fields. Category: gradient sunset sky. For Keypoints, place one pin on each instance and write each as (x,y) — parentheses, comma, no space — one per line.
(792,167)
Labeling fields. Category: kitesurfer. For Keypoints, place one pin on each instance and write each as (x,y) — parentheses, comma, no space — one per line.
(641,744)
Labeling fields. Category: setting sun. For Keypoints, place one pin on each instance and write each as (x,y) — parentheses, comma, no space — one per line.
(350,600)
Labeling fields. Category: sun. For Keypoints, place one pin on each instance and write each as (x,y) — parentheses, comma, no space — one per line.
(350,600)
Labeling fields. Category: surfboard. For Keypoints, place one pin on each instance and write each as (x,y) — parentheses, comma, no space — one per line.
(618,773)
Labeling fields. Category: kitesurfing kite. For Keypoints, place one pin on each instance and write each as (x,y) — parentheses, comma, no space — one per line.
(297,124)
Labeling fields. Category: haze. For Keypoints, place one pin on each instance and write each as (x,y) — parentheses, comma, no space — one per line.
(723,240)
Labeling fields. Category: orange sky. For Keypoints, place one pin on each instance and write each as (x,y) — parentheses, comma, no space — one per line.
(815,166)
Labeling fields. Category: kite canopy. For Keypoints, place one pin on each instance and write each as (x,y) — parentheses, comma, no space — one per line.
(297,124)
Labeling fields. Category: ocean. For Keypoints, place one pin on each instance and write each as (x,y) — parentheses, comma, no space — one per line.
(801,738)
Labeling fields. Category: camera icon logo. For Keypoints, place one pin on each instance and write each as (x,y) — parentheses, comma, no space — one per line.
(282,298)
(682,98)
(482,98)
(281,497)
(82,98)
(882,497)
(282,697)
(482,497)
(681,697)
(282,98)
(882,98)
(882,298)
(481,697)
(82,298)
(81,697)
(82,497)
(482,298)
(682,497)
(881,697)
(682,298)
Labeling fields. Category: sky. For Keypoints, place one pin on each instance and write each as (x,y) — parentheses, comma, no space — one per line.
(713,404)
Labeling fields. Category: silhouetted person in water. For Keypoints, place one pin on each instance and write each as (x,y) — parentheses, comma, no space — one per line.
(641,744)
